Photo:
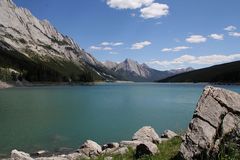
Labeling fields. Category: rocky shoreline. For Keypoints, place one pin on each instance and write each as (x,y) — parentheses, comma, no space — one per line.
(144,142)
(216,117)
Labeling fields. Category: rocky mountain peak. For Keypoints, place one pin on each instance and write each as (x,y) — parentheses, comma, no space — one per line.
(7,3)
(145,65)
(110,65)
(21,29)
(22,32)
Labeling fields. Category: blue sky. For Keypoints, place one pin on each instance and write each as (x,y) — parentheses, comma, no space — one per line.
(165,34)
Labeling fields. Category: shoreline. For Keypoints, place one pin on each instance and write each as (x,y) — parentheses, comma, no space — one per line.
(19,84)
(91,149)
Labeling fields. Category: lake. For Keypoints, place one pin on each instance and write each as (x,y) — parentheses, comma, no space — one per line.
(50,118)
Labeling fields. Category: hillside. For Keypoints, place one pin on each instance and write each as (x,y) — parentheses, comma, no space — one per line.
(34,50)
(223,73)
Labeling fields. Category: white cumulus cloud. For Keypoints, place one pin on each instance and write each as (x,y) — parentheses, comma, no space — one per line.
(234,34)
(128,4)
(196,39)
(100,48)
(155,10)
(176,49)
(188,60)
(112,43)
(217,36)
(230,28)
(140,45)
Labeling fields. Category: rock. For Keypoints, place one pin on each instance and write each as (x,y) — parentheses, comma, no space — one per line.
(168,134)
(90,149)
(148,134)
(19,155)
(110,146)
(230,122)
(131,144)
(61,157)
(146,148)
(41,152)
(216,115)
(120,151)
(76,156)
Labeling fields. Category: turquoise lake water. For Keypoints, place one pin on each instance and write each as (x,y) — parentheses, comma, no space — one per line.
(50,118)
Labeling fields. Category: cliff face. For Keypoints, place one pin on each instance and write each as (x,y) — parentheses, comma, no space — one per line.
(24,38)
(215,118)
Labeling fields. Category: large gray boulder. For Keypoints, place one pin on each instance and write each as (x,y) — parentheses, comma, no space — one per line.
(110,147)
(147,134)
(90,149)
(146,148)
(19,155)
(168,134)
(216,115)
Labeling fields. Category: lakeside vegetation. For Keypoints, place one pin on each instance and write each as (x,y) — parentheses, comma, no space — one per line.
(38,70)
(168,150)
(223,73)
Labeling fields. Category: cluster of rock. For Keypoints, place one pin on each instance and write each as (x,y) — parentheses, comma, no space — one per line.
(217,115)
(144,142)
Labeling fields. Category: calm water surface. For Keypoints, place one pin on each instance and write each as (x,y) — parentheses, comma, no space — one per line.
(49,118)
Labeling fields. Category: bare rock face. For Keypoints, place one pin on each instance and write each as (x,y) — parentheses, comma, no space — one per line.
(146,148)
(18,155)
(91,149)
(148,134)
(216,115)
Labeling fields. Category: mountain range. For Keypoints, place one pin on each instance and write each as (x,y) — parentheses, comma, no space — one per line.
(34,50)
(133,71)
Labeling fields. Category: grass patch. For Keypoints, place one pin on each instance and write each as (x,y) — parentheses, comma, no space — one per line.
(230,146)
(168,150)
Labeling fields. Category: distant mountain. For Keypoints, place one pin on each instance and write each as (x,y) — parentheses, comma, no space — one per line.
(133,71)
(181,70)
(223,73)
(110,65)
(34,50)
